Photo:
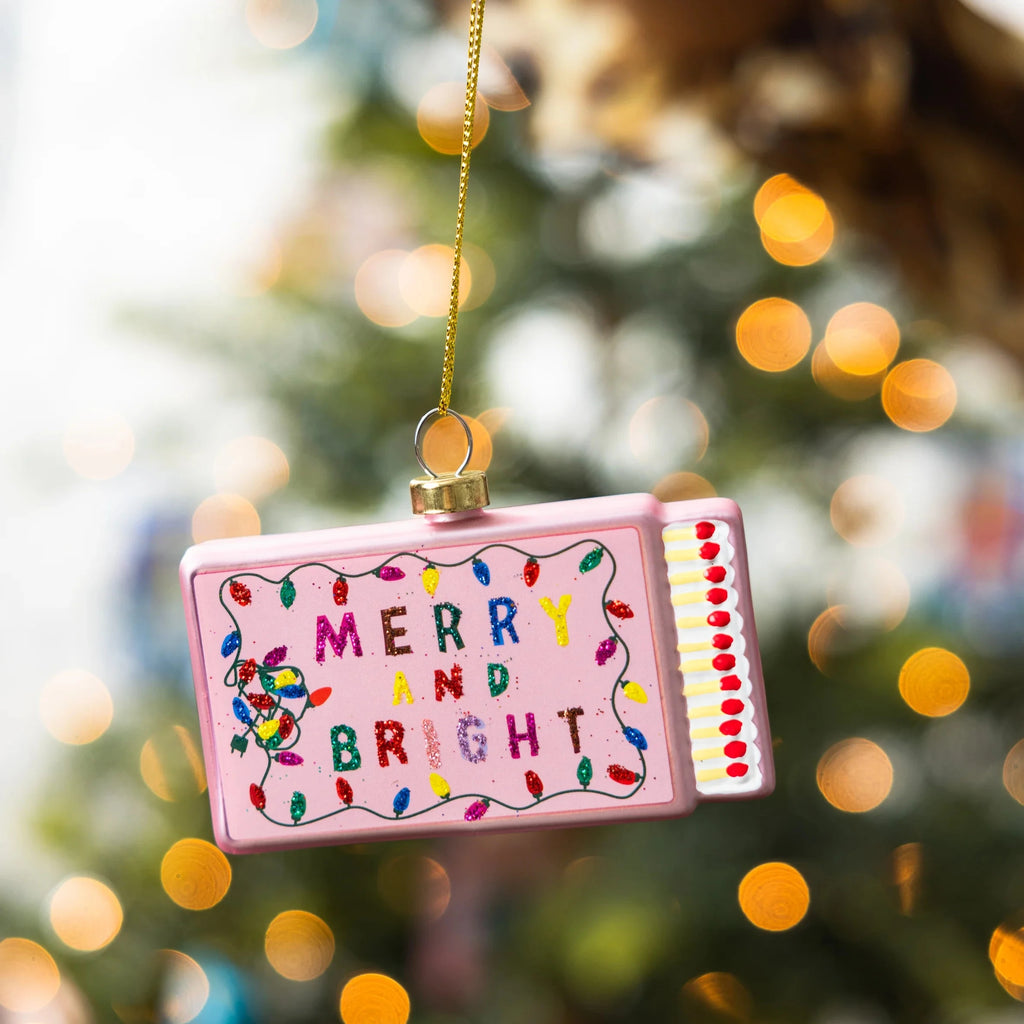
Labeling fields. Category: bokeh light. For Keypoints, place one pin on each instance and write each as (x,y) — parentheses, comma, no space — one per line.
(425,280)
(874,591)
(907,862)
(1013,772)
(75,707)
(683,486)
(855,775)
(85,913)
(934,682)
(721,993)
(444,444)
(184,990)
(848,386)
(1006,952)
(774,896)
(281,24)
(299,945)
(796,226)
(827,634)
(862,339)
(377,292)
(374,999)
(866,510)
(668,424)
(100,445)
(253,467)
(773,334)
(485,277)
(440,115)
(195,874)
(29,978)
(224,515)
(498,85)
(415,886)
(919,395)
(171,764)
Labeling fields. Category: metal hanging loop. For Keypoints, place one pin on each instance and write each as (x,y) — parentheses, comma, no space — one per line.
(417,441)
(465,490)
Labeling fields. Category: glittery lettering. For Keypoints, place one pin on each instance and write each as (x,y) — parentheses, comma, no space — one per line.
(514,738)
(288,758)
(391,631)
(482,571)
(592,559)
(534,785)
(452,629)
(274,657)
(570,715)
(343,747)
(298,806)
(558,615)
(605,649)
(619,609)
(344,791)
(325,634)
(391,573)
(402,691)
(401,801)
(505,624)
(240,593)
(432,744)
(257,797)
(477,753)
(453,685)
(340,592)
(621,775)
(230,644)
(287,593)
(497,679)
(248,671)
(392,743)
(636,737)
(476,810)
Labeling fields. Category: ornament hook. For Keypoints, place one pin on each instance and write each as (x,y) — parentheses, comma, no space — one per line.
(418,442)
(446,493)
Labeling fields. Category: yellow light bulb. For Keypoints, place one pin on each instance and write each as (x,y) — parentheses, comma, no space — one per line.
(634,691)
(440,786)
(431,578)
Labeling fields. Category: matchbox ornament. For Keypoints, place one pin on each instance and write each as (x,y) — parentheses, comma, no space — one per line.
(553,665)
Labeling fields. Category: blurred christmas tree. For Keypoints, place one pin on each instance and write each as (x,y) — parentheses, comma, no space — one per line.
(625,327)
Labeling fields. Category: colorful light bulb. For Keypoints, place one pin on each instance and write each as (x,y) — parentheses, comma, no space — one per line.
(340,590)
(431,577)
(298,806)
(482,571)
(440,786)
(275,656)
(621,775)
(390,572)
(585,771)
(531,571)
(534,784)
(619,609)
(230,644)
(287,593)
(345,794)
(257,797)
(241,711)
(605,649)
(240,593)
(636,737)
(476,810)
(592,559)
(634,691)
(401,801)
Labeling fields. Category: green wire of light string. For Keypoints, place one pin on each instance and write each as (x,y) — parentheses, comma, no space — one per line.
(476,27)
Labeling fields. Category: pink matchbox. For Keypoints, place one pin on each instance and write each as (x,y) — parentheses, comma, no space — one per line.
(553,665)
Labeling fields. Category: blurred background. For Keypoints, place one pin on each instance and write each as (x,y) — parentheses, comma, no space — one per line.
(768,249)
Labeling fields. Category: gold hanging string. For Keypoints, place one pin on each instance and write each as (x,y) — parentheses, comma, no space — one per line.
(476,27)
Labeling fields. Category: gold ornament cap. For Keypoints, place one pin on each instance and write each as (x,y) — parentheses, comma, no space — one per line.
(445,493)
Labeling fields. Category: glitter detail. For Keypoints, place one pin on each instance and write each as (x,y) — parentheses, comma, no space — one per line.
(704,530)
(318,697)
(719,619)
(515,738)
(451,630)
(287,724)
(469,721)
(715,573)
(623,776)
(431,577)
(285,678)
(503,625)
(274,657)
(476,810)
(241,711)
(325,634)
(267,729)
(267,682)
(634,691)
(619,609)
(534,785)
(531,572)
(442,682)
(240,593)
(344,790)
(482,571)
(592,559)
(605,650)
(288,758)
(585,772)
(293,691)
(390,573)
(497,678)
(257,797)
(570,715)
(708,551)
(263,701)
(716,595)
(440,786)
(340,591)
(432,743)
(230,644)
(391,631)
(339,749)
(248,671)
(392,743)
(401,801)
(401,691)
(636,737)
(298,806)
(287,593)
